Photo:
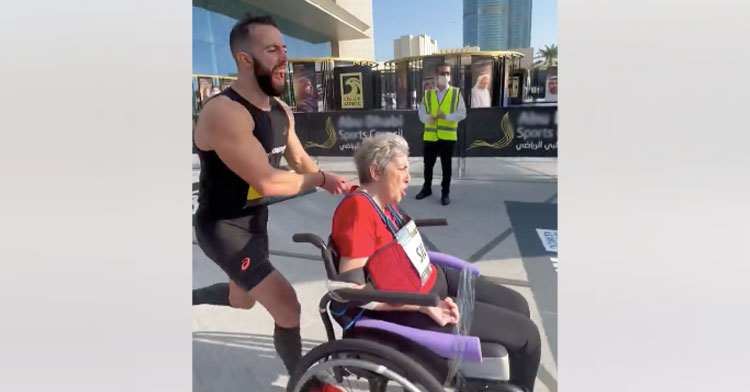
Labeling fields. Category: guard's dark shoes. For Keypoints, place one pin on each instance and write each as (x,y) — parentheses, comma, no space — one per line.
(423,193)
(445,200)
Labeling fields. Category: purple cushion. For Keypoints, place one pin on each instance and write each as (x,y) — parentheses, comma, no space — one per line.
(444,344)
(451,262)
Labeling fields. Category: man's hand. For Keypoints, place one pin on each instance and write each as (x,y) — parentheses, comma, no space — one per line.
(431,119)
(445,313)
(335,184)
(441,115)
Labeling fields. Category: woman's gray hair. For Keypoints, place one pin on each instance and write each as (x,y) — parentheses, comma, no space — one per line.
(379,151)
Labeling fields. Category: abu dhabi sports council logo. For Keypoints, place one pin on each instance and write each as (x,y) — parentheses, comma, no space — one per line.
(508,132)
(351,91)
(330,132)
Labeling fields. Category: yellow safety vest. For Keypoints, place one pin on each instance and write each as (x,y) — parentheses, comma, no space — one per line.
(441,129)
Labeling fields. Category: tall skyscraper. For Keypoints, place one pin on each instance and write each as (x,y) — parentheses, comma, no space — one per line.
(470,23)
(497,24)
(519,24)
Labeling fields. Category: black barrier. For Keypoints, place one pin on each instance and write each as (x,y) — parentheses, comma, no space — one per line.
(341,133)
(486,132)
(510,132)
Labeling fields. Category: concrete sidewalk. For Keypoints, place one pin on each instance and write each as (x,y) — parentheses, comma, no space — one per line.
(233,349)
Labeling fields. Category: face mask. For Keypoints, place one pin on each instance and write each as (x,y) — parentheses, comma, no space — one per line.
(444,80)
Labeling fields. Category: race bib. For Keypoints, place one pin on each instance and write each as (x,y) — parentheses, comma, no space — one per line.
(409,239)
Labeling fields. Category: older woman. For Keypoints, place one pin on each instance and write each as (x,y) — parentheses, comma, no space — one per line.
(364,227)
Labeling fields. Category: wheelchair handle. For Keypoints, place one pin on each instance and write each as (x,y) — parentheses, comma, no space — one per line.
(311,238)
(431,222)
(399,297)
(325,252)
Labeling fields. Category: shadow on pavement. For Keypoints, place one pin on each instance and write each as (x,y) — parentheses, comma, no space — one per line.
(230,361)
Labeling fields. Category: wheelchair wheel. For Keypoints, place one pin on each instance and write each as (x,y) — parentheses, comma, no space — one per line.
(361,365)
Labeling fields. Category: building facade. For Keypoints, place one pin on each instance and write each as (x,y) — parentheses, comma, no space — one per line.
(470,23)
(497,24)
(409,45)
(519,24)
(342,29)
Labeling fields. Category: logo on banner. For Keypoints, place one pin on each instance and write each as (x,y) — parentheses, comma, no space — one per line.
(352,96)
(330,132)
(506,128)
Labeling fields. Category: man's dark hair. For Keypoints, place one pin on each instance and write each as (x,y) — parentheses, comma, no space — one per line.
(437,69)
(241,31)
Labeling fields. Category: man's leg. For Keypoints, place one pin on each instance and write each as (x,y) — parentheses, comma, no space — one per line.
(243,254)
(267,286)
(430,156)
(277,295)
(446,161)
(239,298)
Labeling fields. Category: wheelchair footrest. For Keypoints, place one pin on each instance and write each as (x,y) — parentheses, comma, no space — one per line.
(495,364)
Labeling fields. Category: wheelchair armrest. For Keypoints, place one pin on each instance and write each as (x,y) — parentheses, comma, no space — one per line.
(393,297)
(452,262)
(431,222)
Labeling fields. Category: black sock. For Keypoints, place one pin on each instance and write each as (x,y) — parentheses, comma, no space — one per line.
(288,344)
(216,294)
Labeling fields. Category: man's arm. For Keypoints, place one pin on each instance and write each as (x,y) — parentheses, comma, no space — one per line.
(225,129)
(460,112)
(424,117)
(295,154)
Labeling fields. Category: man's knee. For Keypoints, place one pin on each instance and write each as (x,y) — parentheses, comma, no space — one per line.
(277,295)
(289,313)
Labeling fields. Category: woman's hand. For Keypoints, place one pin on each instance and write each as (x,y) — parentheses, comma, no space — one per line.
(445,313)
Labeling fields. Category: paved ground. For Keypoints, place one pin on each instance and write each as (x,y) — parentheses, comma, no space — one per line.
(497,207)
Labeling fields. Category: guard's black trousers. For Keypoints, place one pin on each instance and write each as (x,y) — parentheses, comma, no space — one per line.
(444,148)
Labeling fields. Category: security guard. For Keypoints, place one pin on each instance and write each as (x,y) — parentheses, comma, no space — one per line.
(440,110)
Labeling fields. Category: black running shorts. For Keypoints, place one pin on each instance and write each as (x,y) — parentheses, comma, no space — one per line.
(238,245)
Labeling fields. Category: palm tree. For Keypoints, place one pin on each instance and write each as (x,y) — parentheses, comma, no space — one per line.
(547,56)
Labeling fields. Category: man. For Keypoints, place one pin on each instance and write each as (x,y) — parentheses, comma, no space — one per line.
(440,110)
(552,85)
(480,93)
(240,137)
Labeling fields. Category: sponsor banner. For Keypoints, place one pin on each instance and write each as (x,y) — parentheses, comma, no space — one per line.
(305,87)
(551,85)
(481,82)
(402,84)
(510,132)
(486,132)
(341,133)
(352,94)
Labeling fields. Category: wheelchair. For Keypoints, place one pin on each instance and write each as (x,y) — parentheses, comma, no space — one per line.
(378,356)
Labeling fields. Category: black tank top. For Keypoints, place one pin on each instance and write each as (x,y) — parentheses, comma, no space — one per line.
(223,194)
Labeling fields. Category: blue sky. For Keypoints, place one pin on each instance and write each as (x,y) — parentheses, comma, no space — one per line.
(443,21)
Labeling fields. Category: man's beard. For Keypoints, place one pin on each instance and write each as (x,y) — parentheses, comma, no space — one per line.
(265,81)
